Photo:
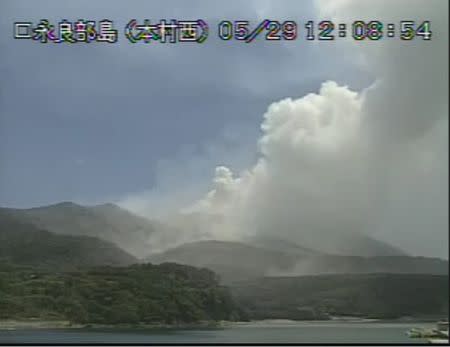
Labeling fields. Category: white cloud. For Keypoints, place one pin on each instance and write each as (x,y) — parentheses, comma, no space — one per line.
(312,173)
(342,161)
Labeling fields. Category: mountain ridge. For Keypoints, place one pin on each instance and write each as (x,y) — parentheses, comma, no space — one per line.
(236,261)
(106,221)
(22,243)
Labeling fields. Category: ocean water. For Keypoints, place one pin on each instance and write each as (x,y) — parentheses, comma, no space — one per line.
(254,332)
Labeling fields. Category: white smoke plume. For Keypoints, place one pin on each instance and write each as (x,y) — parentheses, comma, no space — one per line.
(313,176)
(339,161)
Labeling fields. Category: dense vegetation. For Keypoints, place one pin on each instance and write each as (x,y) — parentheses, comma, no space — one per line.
(166,293)
(175,294)
(366,295)
(63,274)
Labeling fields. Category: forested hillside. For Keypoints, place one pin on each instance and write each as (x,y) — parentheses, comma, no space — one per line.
(167,294)
(384,296)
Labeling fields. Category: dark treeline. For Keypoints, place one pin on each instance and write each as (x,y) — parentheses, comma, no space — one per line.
(383,296)
(167,293)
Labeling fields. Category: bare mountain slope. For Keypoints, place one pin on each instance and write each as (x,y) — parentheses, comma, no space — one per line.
(108,222)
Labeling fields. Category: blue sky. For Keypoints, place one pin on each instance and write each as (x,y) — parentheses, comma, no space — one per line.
(95,122)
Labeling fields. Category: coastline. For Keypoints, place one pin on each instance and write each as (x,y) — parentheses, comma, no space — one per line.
(60,324)
(36,324)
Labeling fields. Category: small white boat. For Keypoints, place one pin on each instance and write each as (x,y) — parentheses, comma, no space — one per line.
(434,335)
(438,341)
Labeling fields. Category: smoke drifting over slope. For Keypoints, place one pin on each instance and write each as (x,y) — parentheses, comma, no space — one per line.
(406,121)
(340,161)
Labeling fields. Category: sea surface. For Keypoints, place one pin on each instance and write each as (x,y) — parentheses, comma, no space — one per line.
(253,332)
